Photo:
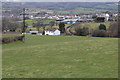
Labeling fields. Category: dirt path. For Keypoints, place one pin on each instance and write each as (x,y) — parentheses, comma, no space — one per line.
(68,30)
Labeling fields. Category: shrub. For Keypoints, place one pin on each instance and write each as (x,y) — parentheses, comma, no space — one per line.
(102,27)
(12,39)
(82,31)
(99,33)
(114,30)
(62,27)
(52,23)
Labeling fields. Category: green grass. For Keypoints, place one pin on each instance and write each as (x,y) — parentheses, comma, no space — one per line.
(82,11)
(46,21)
(10,35)
(95,25)
(30,22)
(92,25)
(61,57)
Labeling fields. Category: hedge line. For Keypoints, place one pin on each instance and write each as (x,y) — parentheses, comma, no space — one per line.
(12,39)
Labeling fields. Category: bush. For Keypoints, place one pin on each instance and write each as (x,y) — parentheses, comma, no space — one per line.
(62,27)
(102,27)
(84,31)
(99,33)
(52,23)
(12,39)
(113,30)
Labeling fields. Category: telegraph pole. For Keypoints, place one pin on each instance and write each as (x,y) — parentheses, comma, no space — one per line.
(24,26)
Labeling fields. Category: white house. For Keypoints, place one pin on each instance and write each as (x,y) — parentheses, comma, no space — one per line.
(107,16)
(52,32)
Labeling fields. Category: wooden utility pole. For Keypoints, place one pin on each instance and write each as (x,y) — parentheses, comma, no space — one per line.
(24,26)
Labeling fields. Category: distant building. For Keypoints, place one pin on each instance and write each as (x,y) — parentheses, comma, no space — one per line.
(100,19)
(30,26)
(105,15)
(33,32)
(70,21)
(58,21)
(52,32)
(30,16)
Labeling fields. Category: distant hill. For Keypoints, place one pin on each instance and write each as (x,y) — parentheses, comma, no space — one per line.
(64,6)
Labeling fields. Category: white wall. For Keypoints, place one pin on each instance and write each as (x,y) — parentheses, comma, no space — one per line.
(49,33)
(56,32)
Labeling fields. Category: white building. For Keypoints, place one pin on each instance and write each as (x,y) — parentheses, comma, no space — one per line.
(33,32)
(52,32)
(107,16)
(30,26)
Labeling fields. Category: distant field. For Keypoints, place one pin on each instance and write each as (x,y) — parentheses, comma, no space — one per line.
(81,11)
(92,25)
(61,57)
(75,7)
(30,22)
(95,25)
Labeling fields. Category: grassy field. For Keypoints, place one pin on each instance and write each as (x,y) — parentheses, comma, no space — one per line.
(10,35)
(61,57)
(30,22)
(92,25)
(81,11)
(95,25)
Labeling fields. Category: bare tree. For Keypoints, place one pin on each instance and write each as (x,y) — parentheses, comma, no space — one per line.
(9,24)
(38,25)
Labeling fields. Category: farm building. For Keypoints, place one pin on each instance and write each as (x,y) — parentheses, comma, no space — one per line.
(106,16)
(70,21)
(34,32)
(30,26)
(52,32)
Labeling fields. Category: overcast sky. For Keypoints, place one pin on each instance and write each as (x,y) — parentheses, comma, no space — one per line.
(60,0)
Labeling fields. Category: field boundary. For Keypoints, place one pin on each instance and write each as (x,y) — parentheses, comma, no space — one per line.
(12,39)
